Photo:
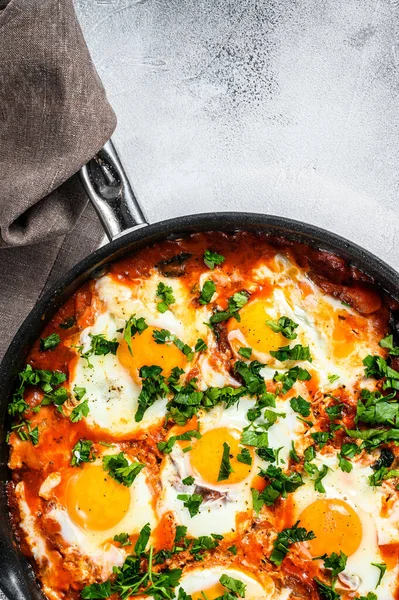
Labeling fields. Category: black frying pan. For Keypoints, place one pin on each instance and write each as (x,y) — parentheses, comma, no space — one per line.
(125,225)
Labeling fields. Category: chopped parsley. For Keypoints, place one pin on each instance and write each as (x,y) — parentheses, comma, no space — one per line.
(280,485)
(163,336)
(211,259)
(245,352)
(376,409)
(133,326)
(233,585)
(122,539)
(188,480)
(301,406)
(208,289)
(333,378)
(166,447)
(244,457)
(192,502)
(82,452)
(382,568)
(235,303)
(285,326)
(377,367)
(335,562)
(200,346)
(387,343)
(285,539)
(50,342)
(225,466)
(322,437)
(80,411)
(326,592)
(165,293)
(153,388)
(290,377)
(99,346)
(297,352)
(119,468)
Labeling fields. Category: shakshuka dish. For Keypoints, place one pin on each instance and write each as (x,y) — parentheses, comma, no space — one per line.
(212,417)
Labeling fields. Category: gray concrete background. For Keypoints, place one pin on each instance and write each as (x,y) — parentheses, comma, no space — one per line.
(286,107)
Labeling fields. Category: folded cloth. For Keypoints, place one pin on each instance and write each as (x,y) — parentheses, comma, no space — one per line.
(54,116)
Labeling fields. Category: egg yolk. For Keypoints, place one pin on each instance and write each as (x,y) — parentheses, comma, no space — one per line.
(345,334)
(206,456)
(145,351)
(335,524)
(96,501)
(214,591)
(252,325)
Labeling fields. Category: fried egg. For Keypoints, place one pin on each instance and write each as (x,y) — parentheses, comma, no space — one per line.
(224,499)
(197,582)
(348,518)
(89,508)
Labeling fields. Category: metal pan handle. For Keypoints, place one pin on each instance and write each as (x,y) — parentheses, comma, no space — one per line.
(109,190)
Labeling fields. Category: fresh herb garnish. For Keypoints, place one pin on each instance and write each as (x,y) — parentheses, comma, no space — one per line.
(119,468)
(244,457)
(188,480)
(82,452)
(99,346)
(153,388)
(235,303)
(200,346)
(225,466)
(382,568)
(208,289)
(233,585)
(245,352)
(133,326)
(290,377)
(326,592)
(387,343)
(165,293)
(80,411)
(333,378)
(191,502)
(285,326)
(285,539)
(163,336)
(122,539)
(50,342)
(301,406)
(166,447)
(212,258)
(377,367)
(297,352)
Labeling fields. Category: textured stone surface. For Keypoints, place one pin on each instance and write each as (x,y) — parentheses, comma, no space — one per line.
(287,107)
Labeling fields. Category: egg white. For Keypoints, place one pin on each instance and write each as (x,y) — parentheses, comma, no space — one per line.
(354,489)
(198,580)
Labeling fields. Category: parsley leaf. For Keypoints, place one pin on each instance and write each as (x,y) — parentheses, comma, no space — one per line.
(191,502)
(200,346)
(280,484)
(300,405)
(285,326)
(96,591)
(188,480)
(326,592)
(374,408)
(122,539)
(244,457)
(80,411)
(163,336)
(333,378)
(79,392)
(208,289)
(120,470)
(378,368)
(382,568)
(165,293)
(288,379)
(212,258)
(142,540)
(285,539)
(235,303)
(245,352)
(153,387)
(82,452)
(133,326)
(233,585)
(225,466)
(336,562)
(322,437)
(166,447)
(50,342)
(297,352)
(387,343)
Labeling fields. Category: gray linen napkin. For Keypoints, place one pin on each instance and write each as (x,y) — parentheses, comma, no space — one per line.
(54,116)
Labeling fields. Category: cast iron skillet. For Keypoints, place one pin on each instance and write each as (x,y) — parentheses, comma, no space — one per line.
(128,230)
